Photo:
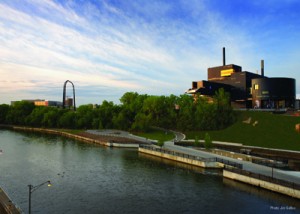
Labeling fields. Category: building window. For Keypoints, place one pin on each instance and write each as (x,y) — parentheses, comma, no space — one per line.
(256,87)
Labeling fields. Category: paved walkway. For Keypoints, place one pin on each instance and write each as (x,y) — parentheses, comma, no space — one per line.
(118,133)
(291,176)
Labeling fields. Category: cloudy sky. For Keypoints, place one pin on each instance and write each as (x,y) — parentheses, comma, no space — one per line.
(109,47)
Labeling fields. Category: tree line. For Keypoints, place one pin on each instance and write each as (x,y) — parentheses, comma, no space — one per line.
(137,112)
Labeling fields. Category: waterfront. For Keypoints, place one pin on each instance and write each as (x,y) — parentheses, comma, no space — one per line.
(94,179)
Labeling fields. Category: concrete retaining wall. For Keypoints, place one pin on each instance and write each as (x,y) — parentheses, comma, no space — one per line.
(65,134)
(264,184)
(123,145)
(182,159)
(76,137)
(6,204)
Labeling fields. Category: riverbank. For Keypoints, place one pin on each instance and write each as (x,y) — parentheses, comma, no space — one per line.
(100,139)
(104,140)
(6,204)
(87,178)
(231,170)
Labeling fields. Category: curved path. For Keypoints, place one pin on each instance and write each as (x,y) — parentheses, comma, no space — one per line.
(291,176)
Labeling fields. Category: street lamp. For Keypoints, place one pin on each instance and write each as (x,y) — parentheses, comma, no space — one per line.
(32,189)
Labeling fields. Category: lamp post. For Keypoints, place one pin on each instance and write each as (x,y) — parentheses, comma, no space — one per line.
(32,189)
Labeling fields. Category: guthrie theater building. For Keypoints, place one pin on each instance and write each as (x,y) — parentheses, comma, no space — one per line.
(246,89)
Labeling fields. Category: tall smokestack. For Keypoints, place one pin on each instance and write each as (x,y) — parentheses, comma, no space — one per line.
(224,58)
(262,67)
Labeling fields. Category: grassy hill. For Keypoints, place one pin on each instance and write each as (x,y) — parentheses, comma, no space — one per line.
(272,131)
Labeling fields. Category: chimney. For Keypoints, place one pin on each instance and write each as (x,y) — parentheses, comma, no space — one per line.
(224,58)
(262,66)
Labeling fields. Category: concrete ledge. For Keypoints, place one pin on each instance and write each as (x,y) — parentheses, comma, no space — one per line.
(182,159)
(6,204)
(263,184)
(76,137)
(120,145)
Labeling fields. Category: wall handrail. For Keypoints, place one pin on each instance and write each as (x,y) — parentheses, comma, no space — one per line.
(270,179)
(193,157)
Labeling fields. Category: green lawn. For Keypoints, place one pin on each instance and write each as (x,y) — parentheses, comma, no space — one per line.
(156,134)
(272,131)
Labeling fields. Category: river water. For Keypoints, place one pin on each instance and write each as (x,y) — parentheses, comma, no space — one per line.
(94,179)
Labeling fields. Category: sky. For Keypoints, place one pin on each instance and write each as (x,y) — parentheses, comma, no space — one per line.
(109,47)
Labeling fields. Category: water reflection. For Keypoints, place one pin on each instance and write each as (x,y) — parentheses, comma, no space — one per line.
(173,165)
(88,178)
(262,193)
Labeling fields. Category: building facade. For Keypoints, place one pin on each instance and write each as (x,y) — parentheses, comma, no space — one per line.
(246,89)
(39,102)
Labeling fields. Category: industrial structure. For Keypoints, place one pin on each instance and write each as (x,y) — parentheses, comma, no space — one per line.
(246,89)
(68,102)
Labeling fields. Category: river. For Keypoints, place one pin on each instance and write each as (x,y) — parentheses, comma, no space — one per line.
(94,179)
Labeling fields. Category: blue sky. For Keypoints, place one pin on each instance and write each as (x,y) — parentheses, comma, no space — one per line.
(109,47)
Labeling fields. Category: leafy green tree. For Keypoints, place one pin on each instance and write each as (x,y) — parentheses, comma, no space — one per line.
(67,120)
(4,109)
(224,111)
(204,114)
(160,143)
(36,116)
(85,116)
(141,122)
(19,112)
(197,142)
(207,141)
(186,115)
(51,118)
(105,112)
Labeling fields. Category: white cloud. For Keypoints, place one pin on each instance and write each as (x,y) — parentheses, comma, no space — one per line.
(104,46)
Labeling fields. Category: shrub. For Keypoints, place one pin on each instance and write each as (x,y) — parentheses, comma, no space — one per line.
(207,141)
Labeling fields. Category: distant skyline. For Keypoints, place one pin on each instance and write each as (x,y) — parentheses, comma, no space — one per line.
(157,47)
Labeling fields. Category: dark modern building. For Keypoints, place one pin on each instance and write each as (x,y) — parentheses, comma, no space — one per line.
(246,89)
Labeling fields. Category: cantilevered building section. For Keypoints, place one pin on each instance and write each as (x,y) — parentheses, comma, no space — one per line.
(246,89)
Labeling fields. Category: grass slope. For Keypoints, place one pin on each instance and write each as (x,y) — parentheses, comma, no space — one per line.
(272,131)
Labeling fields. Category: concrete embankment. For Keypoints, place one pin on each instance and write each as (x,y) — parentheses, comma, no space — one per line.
(265,182)
(6,204)
(76,137)
(183,158)
(230,171)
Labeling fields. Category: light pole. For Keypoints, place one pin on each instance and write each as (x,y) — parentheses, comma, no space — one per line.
(32,189)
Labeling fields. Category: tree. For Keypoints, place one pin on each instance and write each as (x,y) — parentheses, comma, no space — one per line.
(4,109)
(197,142)
(186,114)
(224,111)
(18,112)
(207,141)
(67,120)
(51,117)
(105,112)
(205,114)
(141,122)
(36,116)
(160,142)
(84,116)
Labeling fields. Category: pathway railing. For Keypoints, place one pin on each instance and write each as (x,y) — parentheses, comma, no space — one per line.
(229,163)
(193,157)
(264,177)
